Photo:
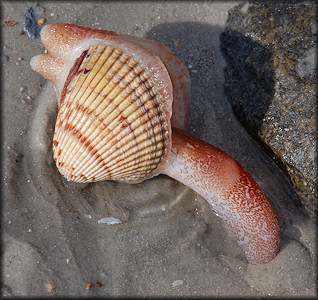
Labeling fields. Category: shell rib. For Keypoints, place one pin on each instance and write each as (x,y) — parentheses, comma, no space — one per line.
(116,95)
(115,103)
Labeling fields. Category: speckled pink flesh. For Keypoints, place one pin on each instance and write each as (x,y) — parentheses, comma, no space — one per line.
(231,192)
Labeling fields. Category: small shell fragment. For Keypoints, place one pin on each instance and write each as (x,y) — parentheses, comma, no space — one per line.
(109,221)
(50,286)
(41,21)
(89,285)
(99,284)
(177,283)
(31,26)
(9,22)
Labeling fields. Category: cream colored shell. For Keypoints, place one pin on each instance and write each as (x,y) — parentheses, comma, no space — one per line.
(111,124)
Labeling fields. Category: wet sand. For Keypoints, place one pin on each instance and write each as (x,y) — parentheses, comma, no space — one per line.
(169,241)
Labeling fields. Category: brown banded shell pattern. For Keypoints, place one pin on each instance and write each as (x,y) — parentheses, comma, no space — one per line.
(111,122)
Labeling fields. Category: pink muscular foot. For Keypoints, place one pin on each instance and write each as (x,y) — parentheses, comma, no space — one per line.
(230,190)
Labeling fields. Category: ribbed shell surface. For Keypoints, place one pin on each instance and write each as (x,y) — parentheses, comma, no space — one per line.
(111,122)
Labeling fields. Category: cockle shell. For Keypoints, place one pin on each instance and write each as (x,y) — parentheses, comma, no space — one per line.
(116,95)
(111,122)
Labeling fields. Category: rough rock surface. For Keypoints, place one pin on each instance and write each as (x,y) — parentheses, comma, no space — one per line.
(271,79)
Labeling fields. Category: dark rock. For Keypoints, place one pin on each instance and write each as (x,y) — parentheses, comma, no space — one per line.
(19,157)
(271,79)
